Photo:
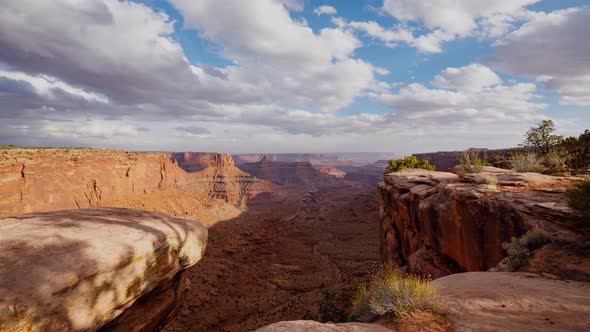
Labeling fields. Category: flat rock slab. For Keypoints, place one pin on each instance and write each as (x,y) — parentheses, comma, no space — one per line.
(76,270)
(503,301)
(312,326)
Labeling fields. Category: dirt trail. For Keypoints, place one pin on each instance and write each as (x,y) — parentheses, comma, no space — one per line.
(294,253)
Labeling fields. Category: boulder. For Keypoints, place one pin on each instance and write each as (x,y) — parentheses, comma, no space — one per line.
(312,326)
(503,301)
(77,270)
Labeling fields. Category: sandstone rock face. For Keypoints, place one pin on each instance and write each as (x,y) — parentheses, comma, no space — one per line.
(77,270)
(287,173)
(57,179)
(221,179)
(502,301)
(35,180)
(312,326)
(437,223)
(333,171)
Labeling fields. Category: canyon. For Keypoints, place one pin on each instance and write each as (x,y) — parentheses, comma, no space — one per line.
(194,242)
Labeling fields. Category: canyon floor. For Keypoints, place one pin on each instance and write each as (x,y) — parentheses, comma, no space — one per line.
(293,254)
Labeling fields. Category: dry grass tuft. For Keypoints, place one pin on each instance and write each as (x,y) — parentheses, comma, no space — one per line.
(391,293)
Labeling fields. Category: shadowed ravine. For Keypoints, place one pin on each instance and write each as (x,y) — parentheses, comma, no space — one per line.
(294,250)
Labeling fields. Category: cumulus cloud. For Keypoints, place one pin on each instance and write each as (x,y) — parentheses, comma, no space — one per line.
(446,20)
(550,48)
(474,77)
(325,10)
(469,94)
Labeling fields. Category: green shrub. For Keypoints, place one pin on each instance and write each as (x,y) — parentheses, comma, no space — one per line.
(391,293)
(396,165)
(555,162)
(527,162)
(472,161)
(578,197)
(519,249)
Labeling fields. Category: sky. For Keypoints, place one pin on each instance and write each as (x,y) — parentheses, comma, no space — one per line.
(280,76)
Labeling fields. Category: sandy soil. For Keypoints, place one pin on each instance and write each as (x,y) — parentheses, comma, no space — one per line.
(293,255)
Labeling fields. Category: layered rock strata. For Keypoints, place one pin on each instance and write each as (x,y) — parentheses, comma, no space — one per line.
(438,223)
(56,179)
(287,173)
(77,270)
(221,179)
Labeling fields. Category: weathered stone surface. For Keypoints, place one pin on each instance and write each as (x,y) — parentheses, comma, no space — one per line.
(312,326)
(55,179)
(502,301)
(77,270)
(439,223)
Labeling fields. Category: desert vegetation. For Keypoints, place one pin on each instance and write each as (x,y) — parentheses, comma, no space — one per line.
(396,165)
(390,293)
(579,198)
(486,179)
(546,152)
(473,161)
(519,249)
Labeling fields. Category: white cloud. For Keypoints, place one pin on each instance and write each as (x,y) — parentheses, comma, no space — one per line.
(447,20)
(473,77)
(325,10)
(291,65)
(477,94)
(551,47)
(51,87)
(120,49)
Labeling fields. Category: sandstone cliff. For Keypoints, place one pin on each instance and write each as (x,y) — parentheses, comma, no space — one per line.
(287,173)
(78,270)
(33,180)
(438,223)
(56,179)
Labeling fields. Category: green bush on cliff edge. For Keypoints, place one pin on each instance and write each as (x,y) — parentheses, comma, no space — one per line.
(396,165)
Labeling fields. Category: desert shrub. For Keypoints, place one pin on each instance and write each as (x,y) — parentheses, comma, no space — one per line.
(330,311)
(578,197)
(396,165)
(472,161)
(486,179)
(391,293)
(519,249)
(555,162)
(527,162)
(578,151)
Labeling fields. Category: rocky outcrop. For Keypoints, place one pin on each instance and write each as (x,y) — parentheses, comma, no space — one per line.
(54,179)
(36,180)
(287,173)
(221,179)
(501,301)
(332,171)
(438,223)
(78,270)
(311,326)
(192,161)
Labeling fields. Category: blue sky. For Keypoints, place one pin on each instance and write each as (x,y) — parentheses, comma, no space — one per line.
(397,76)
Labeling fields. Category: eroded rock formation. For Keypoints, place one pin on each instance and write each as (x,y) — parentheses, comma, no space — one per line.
(57,179)
(438,223)
(34,180)
(287,173)
(221,179)
(78,270)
